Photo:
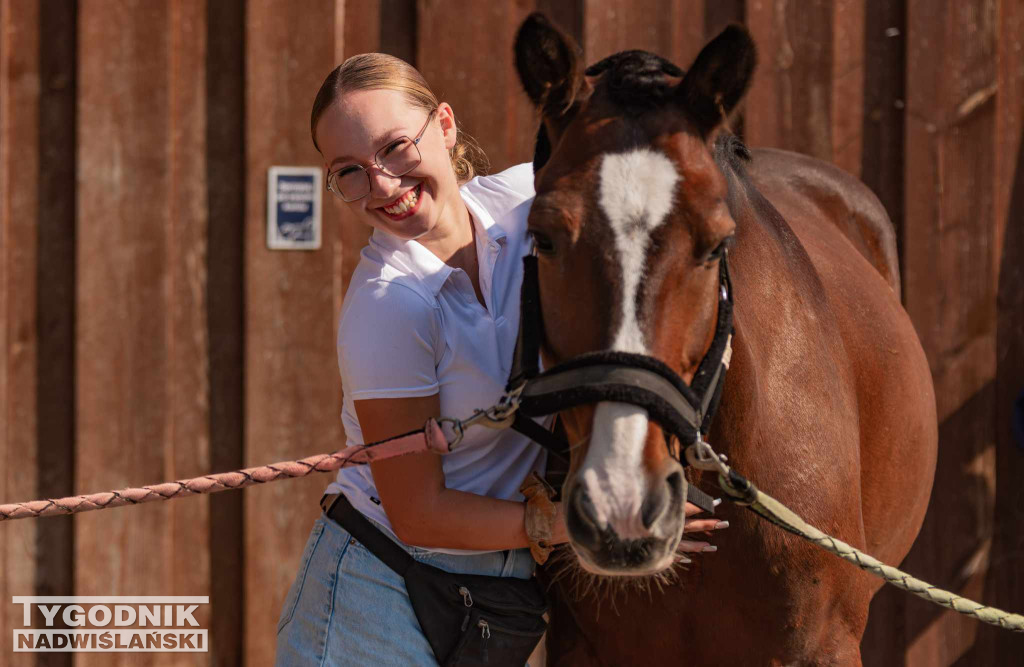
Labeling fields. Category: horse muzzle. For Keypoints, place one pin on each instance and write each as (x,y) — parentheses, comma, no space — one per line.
(618,527)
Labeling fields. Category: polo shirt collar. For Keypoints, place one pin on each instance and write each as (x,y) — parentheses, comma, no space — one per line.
(410,257)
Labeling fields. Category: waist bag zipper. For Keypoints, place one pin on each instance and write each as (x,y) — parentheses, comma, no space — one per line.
(485,632)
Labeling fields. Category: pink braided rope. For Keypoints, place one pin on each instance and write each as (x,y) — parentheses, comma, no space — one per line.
(430,439)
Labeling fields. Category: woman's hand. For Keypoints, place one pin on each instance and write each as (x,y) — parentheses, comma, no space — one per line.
(700,526)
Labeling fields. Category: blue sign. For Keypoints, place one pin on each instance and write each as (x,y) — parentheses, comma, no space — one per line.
(294,205)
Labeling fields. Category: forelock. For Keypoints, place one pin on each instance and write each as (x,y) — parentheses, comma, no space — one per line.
(635,80)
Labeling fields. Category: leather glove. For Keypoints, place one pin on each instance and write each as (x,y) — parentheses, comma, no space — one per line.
(540,515)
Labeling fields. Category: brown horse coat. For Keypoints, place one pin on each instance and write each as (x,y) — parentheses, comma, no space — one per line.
(828,405)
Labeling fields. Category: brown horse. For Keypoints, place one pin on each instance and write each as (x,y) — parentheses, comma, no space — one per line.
(828,405)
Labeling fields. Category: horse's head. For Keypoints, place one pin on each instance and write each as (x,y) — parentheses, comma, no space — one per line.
(629,221)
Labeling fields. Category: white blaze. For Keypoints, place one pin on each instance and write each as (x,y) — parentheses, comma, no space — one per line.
(637,191)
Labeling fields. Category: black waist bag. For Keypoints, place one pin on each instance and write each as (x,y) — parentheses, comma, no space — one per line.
(469,619)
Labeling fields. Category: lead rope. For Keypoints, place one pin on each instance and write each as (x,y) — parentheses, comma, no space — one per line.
(743,492)
(429,439)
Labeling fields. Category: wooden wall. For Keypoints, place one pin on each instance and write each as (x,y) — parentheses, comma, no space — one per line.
(148,334)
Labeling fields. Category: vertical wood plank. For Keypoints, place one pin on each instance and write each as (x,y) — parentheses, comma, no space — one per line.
(720,13)
(121,344)
(1005,587)
(792,91)
(362,30)
(949,290)
(19,210)
(484,92)
(187,420)
(881,166)
(142,352)
(674,29)
(55,297)
(396,28)
(225,176)
(292,390)
(809,89)
(362,33)
(566,14)
(847,84)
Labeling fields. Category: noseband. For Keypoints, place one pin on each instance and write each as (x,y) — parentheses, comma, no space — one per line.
(683,411)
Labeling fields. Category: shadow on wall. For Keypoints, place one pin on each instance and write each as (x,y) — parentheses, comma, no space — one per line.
(977,520)
(1005,585)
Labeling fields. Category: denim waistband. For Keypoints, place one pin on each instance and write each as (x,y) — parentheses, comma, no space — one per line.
(506,563)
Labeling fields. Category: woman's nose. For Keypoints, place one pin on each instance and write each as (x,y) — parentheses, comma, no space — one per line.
(382,184)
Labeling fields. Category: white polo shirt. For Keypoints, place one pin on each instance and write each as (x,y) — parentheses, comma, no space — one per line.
(412,326)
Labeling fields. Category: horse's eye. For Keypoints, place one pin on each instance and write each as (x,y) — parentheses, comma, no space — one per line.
(721,248)
(543,243)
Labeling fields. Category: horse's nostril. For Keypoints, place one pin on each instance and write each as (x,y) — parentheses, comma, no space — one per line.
(581,520)
(661,497)
(654,505)
(585,506)
(675,483)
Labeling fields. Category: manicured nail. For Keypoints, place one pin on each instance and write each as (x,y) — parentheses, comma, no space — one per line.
(709,548)
(721,524)
(717,502)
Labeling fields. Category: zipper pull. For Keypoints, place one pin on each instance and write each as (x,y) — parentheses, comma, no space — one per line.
(467,599)
(485,630)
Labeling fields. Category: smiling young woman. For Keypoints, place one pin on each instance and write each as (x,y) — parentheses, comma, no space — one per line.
(428,328)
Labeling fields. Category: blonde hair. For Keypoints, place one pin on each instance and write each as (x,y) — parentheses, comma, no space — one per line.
(377,71)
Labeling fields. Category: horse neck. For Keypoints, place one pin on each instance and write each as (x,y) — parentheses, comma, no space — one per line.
(761,232)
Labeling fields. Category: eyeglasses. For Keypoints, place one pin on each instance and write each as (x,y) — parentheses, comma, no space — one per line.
(398,158)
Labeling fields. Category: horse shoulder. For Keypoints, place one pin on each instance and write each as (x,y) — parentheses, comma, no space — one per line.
(802,181)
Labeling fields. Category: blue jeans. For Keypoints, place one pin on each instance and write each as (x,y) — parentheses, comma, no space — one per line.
(346,607)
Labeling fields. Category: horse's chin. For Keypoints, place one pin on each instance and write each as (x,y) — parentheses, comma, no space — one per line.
(633,558)
(648,570)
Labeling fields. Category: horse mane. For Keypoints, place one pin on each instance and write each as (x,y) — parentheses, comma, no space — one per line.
(730,150)
(635,80)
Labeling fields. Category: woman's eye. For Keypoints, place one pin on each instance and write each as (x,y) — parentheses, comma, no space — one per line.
(390,148)
(344,171)
(543,242)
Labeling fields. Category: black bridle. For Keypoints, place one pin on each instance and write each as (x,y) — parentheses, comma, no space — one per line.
(683,411)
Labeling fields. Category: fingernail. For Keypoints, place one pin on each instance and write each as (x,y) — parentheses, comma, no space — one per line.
(721,524)
(717,502)
(709,548)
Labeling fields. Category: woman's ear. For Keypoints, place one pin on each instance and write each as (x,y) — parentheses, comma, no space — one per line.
(446,117)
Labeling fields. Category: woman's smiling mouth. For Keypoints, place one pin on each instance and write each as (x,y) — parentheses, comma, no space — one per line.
(405,205)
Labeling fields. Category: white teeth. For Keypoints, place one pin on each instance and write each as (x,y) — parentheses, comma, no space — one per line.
(407,202)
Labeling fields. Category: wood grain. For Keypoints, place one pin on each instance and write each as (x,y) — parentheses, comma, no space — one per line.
(19,194)
(292,389)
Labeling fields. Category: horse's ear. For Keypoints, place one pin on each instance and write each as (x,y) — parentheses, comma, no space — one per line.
(548,65)
(719,78)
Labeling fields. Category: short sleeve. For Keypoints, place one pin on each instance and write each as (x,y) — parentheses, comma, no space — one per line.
(389,342)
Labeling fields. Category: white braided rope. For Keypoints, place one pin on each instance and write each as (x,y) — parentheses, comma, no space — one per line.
(780,515)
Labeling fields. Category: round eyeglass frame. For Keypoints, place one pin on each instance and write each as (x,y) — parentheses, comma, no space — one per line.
(376,161)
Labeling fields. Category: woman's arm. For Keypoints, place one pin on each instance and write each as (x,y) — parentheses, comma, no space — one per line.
(422,511)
